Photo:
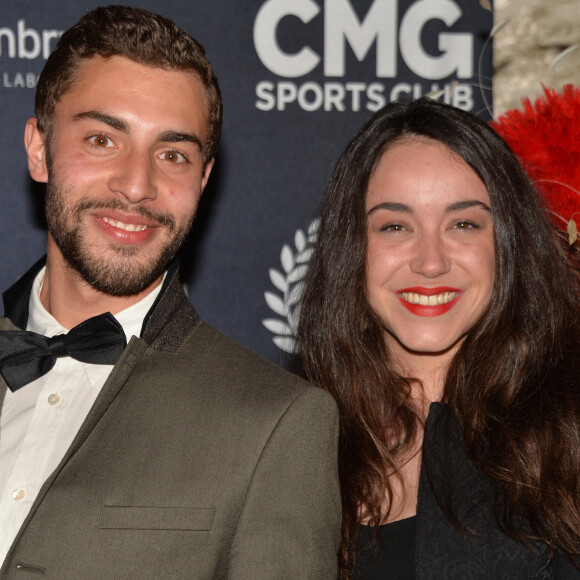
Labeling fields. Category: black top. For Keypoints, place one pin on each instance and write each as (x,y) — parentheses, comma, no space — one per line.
(393,557)
(450,483)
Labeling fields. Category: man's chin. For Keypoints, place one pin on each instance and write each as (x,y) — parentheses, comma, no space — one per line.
(124,277)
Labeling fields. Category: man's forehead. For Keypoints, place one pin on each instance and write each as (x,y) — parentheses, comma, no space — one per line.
(123,88)
(120,65)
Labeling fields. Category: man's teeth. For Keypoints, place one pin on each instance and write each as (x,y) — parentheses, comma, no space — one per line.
(124,226)
(423,300)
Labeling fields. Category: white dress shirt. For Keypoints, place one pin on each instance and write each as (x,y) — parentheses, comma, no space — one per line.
(39,421)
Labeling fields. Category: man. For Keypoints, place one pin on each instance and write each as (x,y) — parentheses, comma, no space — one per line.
(189,457)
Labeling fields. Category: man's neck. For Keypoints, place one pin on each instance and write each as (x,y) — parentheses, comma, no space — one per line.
(71,300)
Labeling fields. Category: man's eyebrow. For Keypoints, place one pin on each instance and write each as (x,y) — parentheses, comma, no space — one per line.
(390,206)
(175,137)
(114,122)
(467,204)
(120,125)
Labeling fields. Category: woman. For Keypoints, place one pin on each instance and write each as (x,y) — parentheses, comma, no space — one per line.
(444,317)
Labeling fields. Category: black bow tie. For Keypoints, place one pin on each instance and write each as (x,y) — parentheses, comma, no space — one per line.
(25,356)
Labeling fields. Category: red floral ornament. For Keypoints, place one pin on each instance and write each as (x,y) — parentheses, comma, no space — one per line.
(546,138)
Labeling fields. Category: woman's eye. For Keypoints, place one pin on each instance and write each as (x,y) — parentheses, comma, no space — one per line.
(101,141)
(173,157)
(466,225)
(393,228)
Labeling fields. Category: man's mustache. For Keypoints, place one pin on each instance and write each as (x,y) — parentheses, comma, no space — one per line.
(161,218)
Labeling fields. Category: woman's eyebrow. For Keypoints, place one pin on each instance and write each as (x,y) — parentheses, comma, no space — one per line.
(467,204)
(390,206)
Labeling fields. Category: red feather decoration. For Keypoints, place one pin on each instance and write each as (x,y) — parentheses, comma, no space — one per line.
(546,138)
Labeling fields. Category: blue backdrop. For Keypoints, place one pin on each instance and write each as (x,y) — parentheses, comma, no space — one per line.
(298,78)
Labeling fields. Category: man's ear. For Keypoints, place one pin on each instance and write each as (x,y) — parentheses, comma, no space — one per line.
(36,151)
(206,172)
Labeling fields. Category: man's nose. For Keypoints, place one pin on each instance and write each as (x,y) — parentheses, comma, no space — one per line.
(134,177)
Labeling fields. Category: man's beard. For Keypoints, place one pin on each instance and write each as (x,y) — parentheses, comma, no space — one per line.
(118,270)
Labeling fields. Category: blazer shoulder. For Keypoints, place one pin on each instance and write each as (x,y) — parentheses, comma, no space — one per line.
(229,357)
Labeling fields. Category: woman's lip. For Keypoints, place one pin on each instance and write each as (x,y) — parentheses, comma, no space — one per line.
(437,309)
(429,291)
(421,310)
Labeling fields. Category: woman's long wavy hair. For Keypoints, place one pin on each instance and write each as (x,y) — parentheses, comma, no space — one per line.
(520,413)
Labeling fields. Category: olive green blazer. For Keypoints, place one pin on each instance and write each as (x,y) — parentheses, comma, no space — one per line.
(199,459)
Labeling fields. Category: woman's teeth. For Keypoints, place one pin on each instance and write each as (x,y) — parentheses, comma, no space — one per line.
(436,299)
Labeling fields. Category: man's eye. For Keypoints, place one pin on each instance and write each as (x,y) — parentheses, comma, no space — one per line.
(173,157)
(101,141)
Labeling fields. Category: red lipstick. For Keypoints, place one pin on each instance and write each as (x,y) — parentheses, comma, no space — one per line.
(425,309)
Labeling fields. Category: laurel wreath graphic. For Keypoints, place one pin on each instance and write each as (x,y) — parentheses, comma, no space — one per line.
(290,284)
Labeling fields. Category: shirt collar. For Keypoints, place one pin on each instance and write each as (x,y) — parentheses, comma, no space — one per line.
(131,318)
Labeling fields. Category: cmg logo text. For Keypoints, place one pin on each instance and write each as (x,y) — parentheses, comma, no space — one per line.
(392,35)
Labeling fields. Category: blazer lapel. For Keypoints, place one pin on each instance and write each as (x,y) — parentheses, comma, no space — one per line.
(118,377)
(171,320)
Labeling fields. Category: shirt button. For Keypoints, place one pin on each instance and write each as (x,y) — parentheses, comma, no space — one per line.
(18,494)
(54,399)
